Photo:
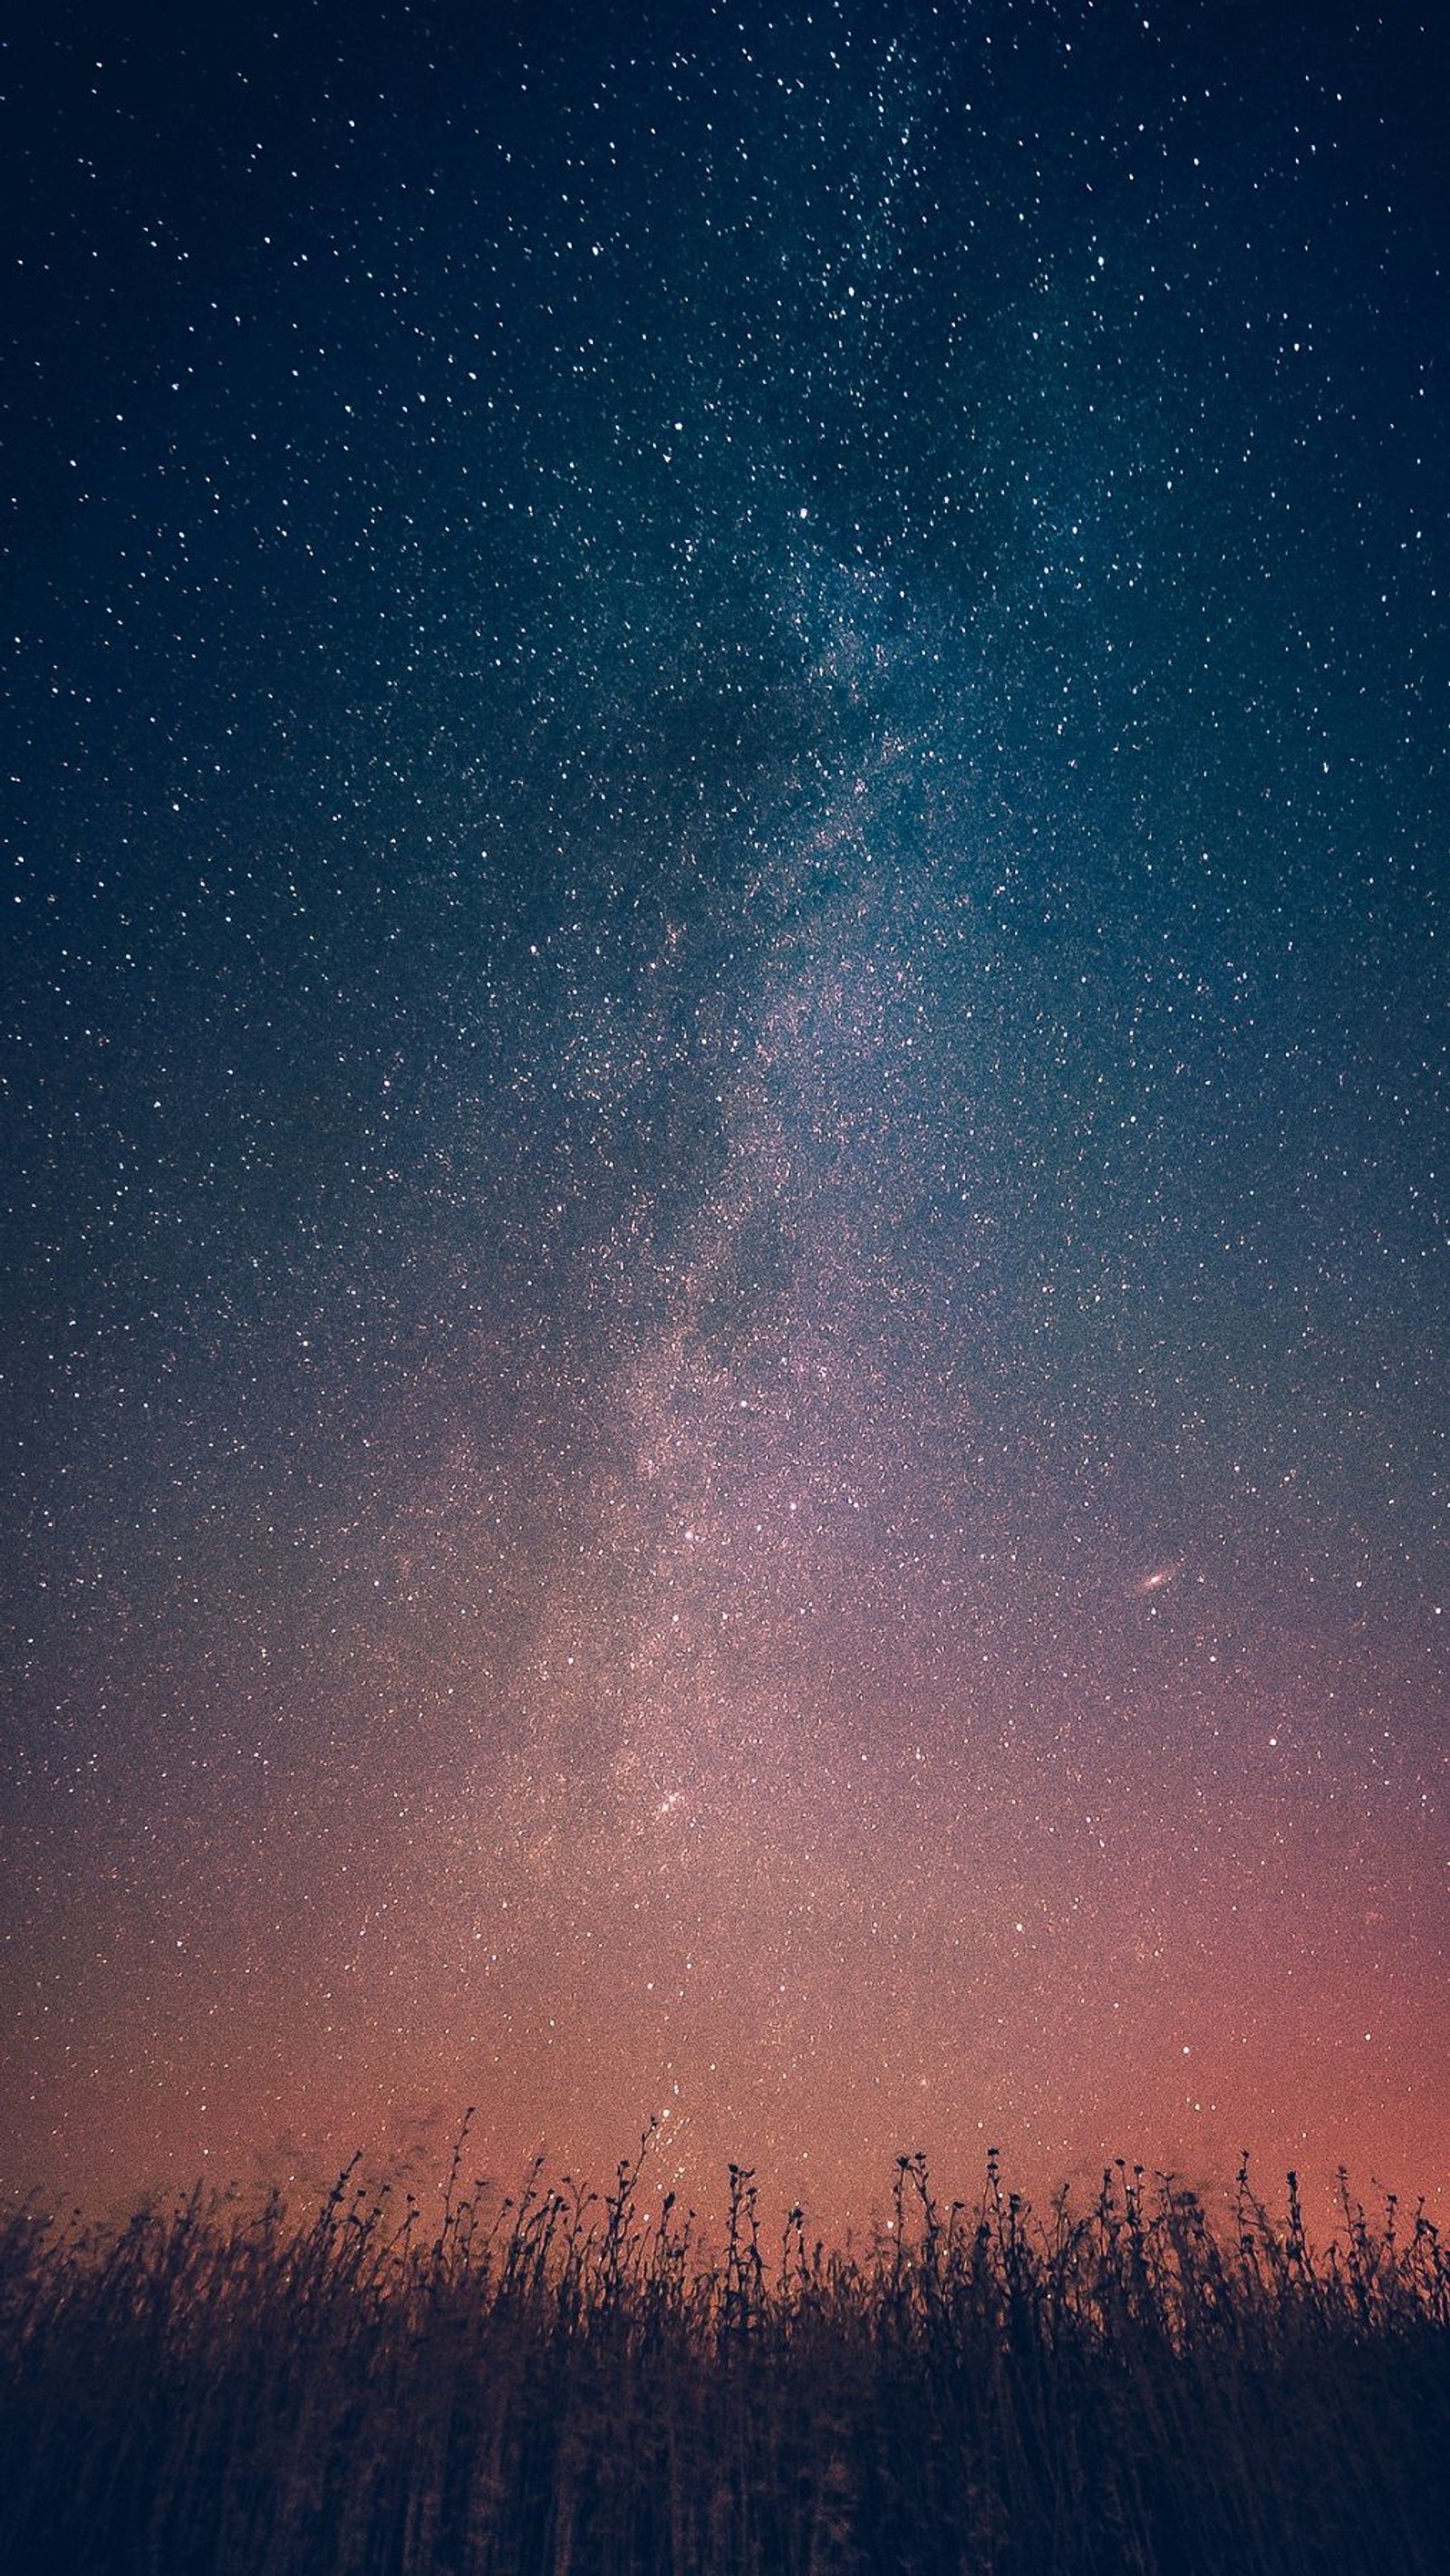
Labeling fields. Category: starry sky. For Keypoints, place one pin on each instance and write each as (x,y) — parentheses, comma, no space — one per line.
(724,1047)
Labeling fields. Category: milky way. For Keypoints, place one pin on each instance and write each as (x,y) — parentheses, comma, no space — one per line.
(726,1055)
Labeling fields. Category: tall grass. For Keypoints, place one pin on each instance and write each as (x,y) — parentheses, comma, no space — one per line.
(561,2383)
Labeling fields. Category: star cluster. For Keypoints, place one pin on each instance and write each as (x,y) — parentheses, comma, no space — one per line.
(726,1054)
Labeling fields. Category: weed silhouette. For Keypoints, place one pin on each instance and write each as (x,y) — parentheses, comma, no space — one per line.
(565,2385)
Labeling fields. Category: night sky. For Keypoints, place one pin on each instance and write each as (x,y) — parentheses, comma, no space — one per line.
(724,1046)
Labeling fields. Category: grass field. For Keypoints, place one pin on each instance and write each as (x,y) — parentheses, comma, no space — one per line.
(558,2383)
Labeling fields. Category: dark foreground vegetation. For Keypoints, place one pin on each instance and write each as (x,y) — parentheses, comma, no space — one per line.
(570,2385)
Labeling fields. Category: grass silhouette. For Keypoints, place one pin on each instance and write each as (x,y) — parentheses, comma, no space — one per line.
(564,2385)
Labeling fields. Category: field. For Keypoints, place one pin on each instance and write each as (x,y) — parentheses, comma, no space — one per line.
(560,2383)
